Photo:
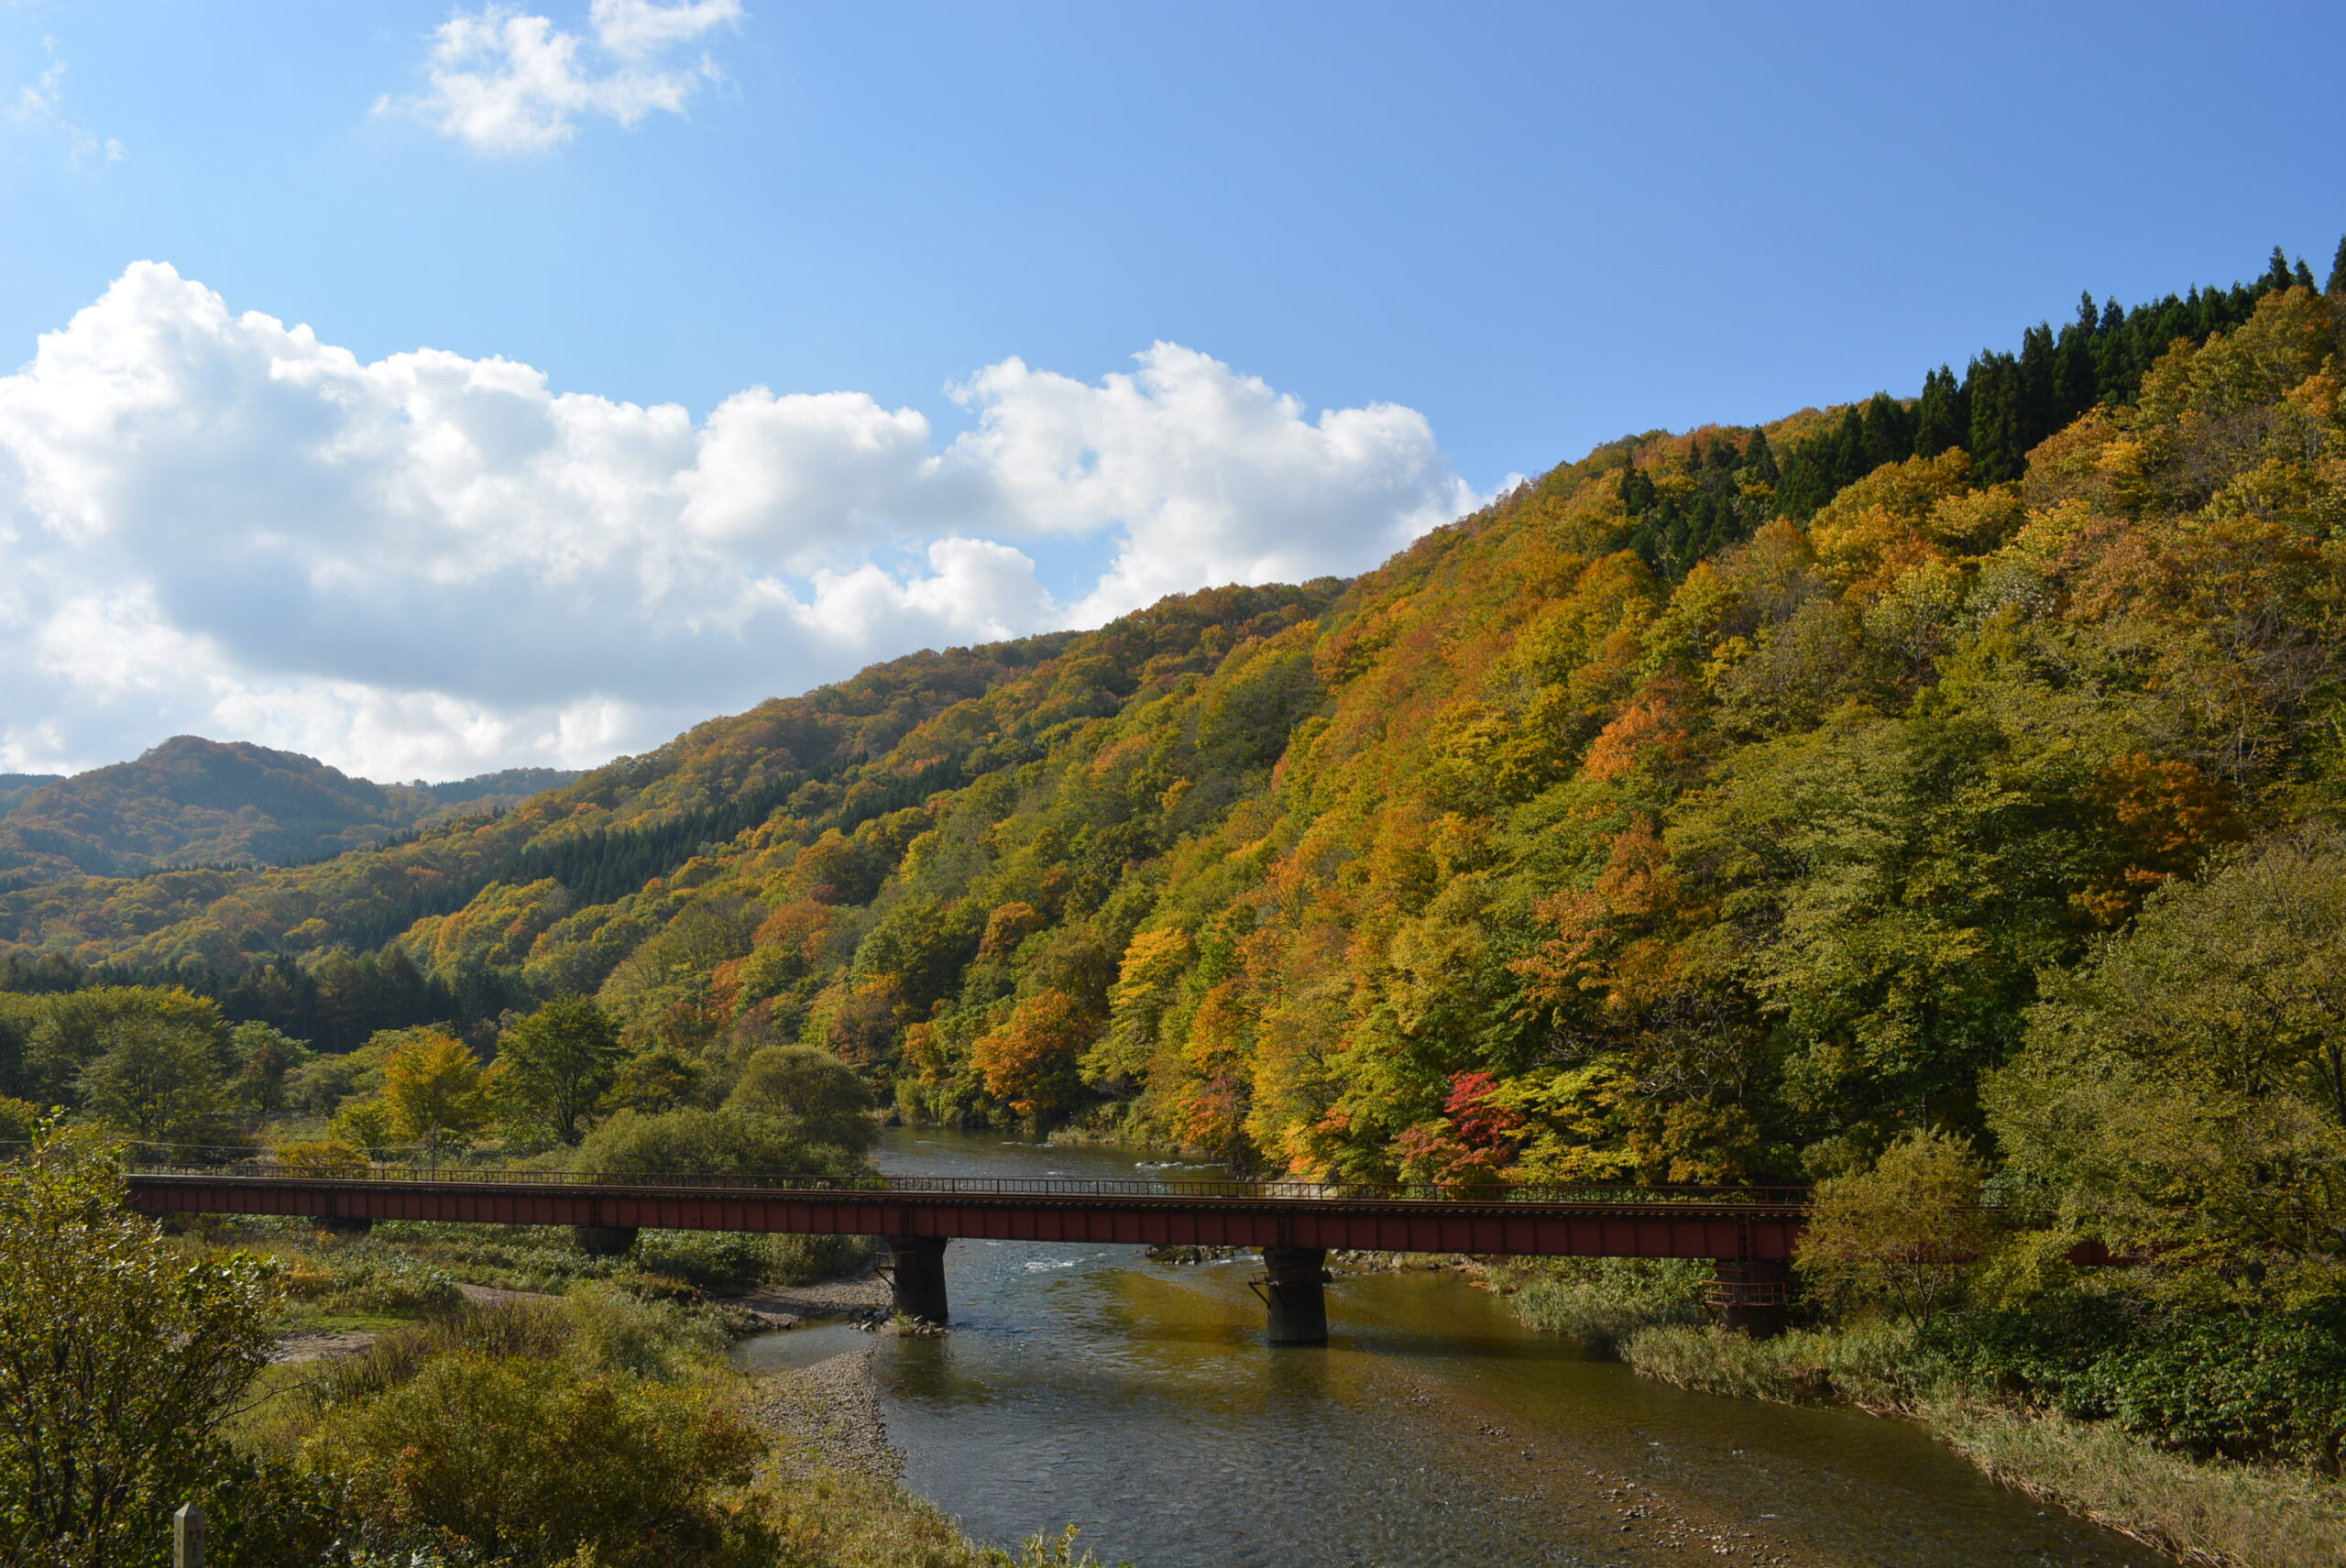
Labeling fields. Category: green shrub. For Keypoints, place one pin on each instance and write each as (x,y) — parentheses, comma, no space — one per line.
(522,1459)
(2240,1385)
(611,1330)
(364,1278)
(726,1261)
(531,1432)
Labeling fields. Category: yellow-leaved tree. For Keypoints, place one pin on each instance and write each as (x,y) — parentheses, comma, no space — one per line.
(431,1087)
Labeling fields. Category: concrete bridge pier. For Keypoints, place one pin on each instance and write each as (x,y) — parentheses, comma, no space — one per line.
(916,1277)
(604,1241)
(1752,1295)
(1292,1289)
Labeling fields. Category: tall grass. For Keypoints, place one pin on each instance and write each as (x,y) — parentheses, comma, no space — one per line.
(1874,1366)
(2220,1515)
(1602,1301)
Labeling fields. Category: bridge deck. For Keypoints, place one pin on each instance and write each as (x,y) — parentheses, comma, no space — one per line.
(1756,1224)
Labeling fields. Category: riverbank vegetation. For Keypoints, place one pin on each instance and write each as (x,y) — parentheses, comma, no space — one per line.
(603,1426)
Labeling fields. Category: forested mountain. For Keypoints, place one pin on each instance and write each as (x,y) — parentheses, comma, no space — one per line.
(14,787)
(1711,808)
(196,801)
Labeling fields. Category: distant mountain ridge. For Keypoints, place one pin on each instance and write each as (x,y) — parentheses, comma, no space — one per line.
(14,787)
(190,801)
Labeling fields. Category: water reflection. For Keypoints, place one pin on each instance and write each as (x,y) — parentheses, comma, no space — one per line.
(1137,1399)
(797,1348)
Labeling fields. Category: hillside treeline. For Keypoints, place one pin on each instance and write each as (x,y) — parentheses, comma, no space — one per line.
(1937,799)
(1555,847)
(191,802)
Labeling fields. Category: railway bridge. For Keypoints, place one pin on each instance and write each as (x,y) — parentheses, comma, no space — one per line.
(1747,1233)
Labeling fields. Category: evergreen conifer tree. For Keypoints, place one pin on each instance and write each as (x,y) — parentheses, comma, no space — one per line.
(2039,411)
(1636,490)
(2077,381)
(1940,420)
(1888,432)
(2277,273)
(2338,270)
(1995,440)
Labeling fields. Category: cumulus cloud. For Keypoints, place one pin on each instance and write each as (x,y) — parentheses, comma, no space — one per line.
(505,82)
(430,565)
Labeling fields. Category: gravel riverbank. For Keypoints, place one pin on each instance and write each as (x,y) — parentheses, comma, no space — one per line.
(829,1415)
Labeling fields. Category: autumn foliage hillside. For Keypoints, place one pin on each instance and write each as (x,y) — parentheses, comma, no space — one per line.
(1711,808)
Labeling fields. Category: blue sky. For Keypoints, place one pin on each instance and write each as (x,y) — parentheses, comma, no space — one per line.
(1528,228)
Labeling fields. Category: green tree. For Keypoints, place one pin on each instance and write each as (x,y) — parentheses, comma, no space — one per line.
(320,1086)
(554,1066)
(156,1079)
(709,1143)
(660,1078)
(74,1030)
(266,1056)
(1902,1234)
(19,1015)
(827,1099)
(118,1362)
(2184,1090)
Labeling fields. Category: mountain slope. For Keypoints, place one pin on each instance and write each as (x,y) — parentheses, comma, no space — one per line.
(192,801)
(653,809)
(1710,809)
(14,787)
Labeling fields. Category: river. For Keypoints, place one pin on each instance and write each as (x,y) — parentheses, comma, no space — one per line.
(1136,1399)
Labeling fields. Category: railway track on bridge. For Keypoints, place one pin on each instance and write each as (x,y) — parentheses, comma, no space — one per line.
(1748,1231)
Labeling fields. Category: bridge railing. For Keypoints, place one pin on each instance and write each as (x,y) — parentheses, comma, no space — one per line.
(913,1185)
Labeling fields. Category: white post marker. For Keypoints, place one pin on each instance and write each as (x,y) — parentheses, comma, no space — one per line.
(187,1537)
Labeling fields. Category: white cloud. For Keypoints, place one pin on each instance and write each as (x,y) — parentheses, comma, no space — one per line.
(506,82)
(39,107)
(218,523)
(1193,461)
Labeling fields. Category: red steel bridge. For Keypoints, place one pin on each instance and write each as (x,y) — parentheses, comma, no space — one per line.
(1747,1231)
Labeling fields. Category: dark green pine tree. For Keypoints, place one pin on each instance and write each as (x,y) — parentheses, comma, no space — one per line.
(2040,413)
(1759,461)
(1636,490)
(2304,274)
(2077,380)
(1940,419)
(1849,462)
(1888,432)
(1997,438)
(2277,274)
(2338,270)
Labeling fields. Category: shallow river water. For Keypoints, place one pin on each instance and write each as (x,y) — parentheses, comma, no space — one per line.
(1137,1399)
